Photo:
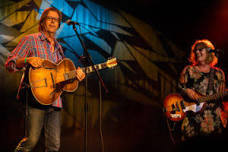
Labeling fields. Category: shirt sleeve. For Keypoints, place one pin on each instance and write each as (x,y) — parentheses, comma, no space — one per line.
(183,80)
(21,50)
(221,80)
(222,76)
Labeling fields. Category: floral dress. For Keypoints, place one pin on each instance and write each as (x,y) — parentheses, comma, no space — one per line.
(208,120)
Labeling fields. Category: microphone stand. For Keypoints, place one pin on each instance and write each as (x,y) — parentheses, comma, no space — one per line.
(88,60)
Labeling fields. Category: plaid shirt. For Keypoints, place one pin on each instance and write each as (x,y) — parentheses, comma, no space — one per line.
(35,45)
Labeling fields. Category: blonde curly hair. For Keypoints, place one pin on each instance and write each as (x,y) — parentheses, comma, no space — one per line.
(204,43)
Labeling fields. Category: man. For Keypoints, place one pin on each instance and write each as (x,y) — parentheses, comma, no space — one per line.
(32,50)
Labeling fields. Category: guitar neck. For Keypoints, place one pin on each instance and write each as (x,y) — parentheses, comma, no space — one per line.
(212,97)
(108,64)
(90,69)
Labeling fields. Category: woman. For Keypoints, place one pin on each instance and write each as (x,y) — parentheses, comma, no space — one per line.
(194,82)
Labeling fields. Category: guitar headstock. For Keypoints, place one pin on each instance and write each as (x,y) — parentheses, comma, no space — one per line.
(111,62)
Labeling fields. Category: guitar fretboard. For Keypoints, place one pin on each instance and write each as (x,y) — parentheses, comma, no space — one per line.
(90,69)
(108,64)
(212,97)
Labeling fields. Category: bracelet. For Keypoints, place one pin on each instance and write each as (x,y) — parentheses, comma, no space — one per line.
(25,59)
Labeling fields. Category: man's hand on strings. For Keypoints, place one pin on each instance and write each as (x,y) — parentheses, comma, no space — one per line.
(35,62)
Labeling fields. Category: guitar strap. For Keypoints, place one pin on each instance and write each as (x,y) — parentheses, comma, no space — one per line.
(211,81)
(23,83)
(62,54)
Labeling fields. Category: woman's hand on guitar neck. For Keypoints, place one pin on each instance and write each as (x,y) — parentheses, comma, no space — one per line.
(192,94)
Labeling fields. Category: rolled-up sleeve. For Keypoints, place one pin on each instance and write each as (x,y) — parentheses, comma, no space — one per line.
(221,80)
(183,80)
(21,50)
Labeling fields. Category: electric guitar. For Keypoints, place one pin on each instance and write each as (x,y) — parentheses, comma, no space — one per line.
(49,81)
(175,106)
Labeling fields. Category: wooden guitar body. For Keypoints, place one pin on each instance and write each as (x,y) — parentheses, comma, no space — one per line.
(45,81)
(49,81)
(172,107)
(175,106)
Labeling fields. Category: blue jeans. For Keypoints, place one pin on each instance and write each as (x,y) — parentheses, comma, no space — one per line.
(49,119)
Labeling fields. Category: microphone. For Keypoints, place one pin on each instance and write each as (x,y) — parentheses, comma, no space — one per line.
(216,50)
(69,22)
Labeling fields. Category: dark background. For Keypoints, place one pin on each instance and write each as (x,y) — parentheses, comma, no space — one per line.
(182,21)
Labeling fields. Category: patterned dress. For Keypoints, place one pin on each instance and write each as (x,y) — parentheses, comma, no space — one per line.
(207,121)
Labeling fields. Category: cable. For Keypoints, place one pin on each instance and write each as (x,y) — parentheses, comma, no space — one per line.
(100,119)
(170,132)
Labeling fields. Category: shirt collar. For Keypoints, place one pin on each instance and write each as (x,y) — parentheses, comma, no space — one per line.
(43,38)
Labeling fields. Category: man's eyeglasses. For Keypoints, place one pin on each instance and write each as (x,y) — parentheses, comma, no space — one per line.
(49,18)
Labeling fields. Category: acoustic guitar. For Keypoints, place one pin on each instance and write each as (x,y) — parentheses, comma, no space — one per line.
(49,81)
(176,106)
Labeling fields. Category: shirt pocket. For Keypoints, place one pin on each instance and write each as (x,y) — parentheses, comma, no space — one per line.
(38,52)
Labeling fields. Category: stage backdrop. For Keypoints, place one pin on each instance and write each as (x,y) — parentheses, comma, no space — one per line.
(147,62)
